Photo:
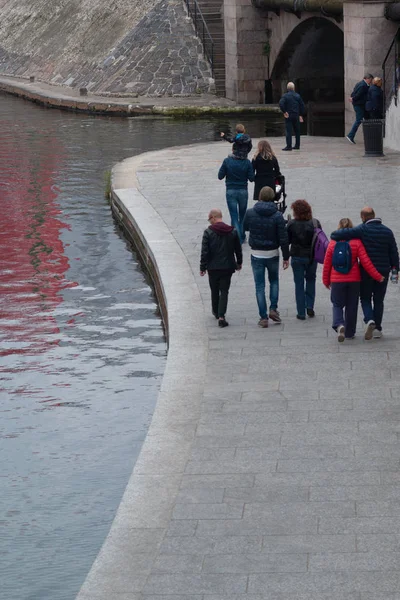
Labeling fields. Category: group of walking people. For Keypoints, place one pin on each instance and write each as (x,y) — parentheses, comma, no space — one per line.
(357,262)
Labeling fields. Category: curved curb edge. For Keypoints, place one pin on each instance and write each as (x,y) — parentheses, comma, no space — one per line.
(131,547)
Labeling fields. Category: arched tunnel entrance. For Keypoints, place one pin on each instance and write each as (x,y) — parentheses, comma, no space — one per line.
(313,58)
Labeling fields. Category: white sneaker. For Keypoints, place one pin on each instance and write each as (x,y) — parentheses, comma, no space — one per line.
(340,333)
(369,329)
(377,333)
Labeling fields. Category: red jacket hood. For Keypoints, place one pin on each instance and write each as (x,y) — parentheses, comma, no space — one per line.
(222,228)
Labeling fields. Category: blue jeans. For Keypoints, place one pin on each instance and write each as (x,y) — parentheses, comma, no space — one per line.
(292,124)
(304,275)
(344,296)
(272,265)
(236,199)
(372,291)
(360,114)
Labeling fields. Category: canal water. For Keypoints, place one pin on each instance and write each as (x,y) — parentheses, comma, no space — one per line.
(82,349)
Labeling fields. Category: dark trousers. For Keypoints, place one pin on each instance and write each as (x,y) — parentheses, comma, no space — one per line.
(360,114)
(344,297)
(372,295)
(220,282)
(292,124)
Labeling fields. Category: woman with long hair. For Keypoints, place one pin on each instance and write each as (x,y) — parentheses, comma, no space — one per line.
(301,233)
(266,168)
(345,284)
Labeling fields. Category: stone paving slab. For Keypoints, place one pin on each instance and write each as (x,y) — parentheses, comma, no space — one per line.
(290,487)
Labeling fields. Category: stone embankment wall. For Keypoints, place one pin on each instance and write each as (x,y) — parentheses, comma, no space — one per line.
(147,47)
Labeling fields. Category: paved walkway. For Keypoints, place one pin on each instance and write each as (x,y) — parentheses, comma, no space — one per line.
(292,487)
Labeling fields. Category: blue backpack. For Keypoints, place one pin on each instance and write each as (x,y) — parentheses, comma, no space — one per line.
(341,259)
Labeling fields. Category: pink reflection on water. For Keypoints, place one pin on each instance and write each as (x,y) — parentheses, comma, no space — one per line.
(33,264)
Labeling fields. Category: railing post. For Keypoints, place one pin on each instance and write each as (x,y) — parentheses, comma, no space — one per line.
(195,16)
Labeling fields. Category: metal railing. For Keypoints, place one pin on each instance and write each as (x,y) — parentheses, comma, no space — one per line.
(202,31)
(391,72)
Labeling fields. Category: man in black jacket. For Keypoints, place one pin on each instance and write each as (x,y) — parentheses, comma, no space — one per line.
(381,248)
(221,256)
(359,99)
(267,233)
(292,106)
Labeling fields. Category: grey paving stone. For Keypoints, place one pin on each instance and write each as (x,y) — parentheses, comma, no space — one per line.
(178,563)
(229,466)
(339,584)
(356,493)
(368,561)
(271,493)
(195,584)
(378,543)
(337,465)
(200,495)
(255,563)
(223,510)
(218,480)
(321,478)
(358,525)
(309,544)
(274,525)
(181,528)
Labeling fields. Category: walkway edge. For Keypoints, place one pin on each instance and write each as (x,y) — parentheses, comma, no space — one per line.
(142,519)
(64,98)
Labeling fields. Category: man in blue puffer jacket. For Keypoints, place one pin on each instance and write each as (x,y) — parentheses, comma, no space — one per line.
(267,234)
(381,247)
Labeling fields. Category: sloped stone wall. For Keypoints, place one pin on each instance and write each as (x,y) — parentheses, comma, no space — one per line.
(117,46)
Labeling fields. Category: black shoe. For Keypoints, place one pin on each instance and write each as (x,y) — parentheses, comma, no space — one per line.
(310,312)
(296,148)
(300,317)
(222,323)
(287,149)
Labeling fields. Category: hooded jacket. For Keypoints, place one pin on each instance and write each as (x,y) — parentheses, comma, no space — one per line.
(242,144)
(267,228)
(374,102)
(220,248)
(237,172)
(379,243)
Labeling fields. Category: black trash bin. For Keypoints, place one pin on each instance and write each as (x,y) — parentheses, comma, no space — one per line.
(373,137)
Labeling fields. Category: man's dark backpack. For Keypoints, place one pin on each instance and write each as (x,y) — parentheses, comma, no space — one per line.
(341,258)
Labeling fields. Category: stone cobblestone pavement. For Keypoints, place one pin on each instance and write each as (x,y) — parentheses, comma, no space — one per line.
(292,489)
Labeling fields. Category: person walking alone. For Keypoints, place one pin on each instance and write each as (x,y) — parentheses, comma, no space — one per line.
(301,233)
(237,171)
(345,285)
(221,256)
(359,99)
(292,106)
(267,234)
(266,168)
(381,247)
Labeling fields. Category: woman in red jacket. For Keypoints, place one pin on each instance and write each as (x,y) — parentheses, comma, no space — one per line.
(345,287)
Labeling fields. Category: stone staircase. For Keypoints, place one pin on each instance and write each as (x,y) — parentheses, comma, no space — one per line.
(211,10)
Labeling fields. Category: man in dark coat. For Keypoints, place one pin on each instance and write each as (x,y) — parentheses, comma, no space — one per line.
(381,248)
(221,256)
(292,106)
(267,234)
(359,99)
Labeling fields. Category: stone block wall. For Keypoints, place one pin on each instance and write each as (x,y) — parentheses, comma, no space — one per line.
(367,37)
(246,65)
(146,47)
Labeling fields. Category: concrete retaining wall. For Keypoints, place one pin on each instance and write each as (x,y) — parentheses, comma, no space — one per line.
(128,554)
(123,46)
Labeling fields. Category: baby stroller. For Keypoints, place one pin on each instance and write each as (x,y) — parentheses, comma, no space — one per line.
(280,194)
